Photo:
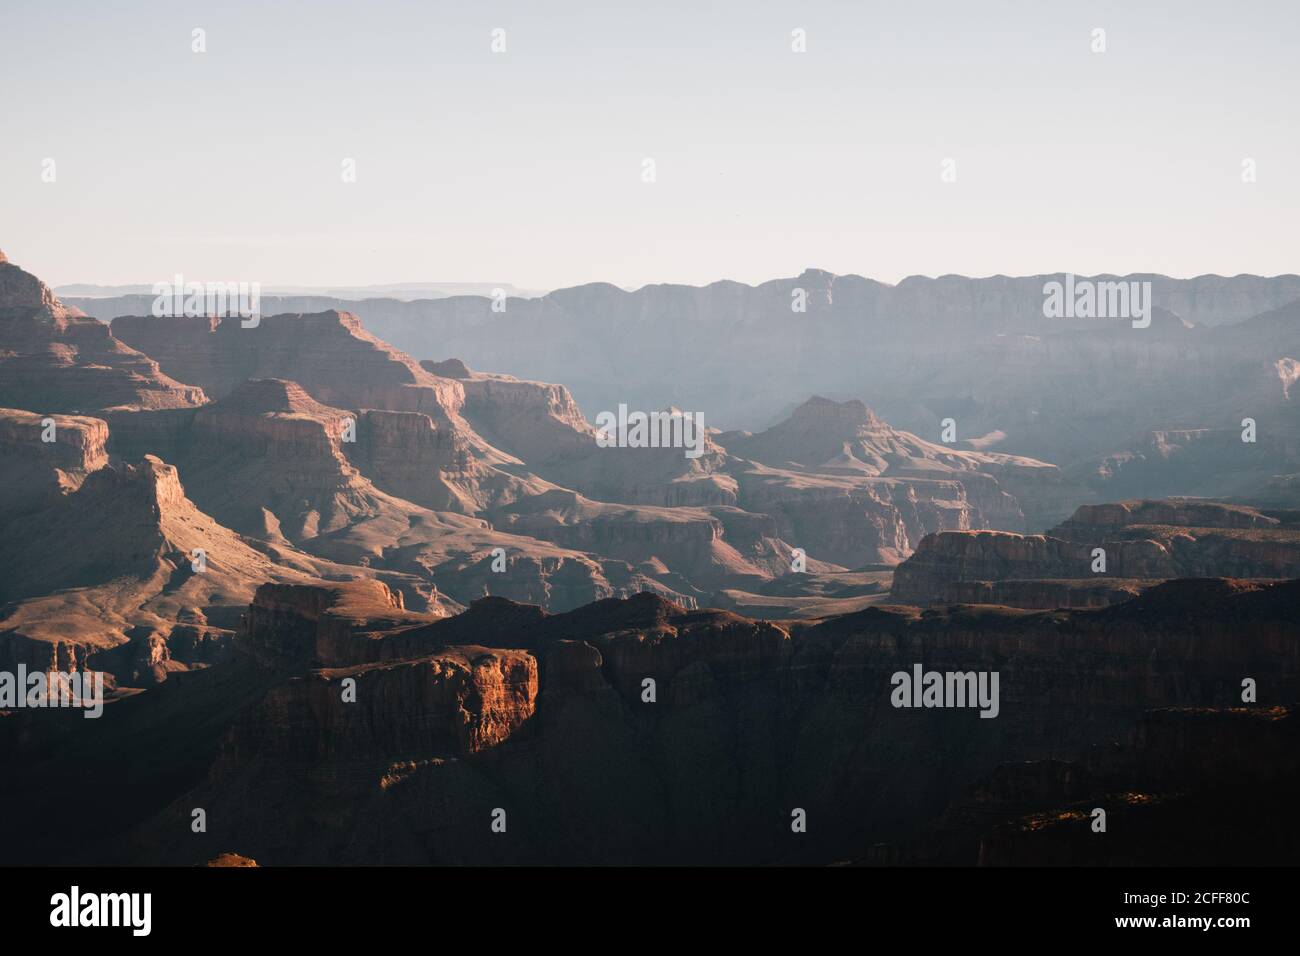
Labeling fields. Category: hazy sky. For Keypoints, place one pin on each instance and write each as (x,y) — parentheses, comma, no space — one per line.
(526,166)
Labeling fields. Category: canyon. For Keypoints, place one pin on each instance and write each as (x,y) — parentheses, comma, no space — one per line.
(363,602)
(315,448)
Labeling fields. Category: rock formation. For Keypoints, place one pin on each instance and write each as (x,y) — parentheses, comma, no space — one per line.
(641,731)
(846,438)
(55,359)
(112,566)
(1143,542)
(34,472)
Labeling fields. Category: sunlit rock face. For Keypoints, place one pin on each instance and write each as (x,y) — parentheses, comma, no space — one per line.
(55,359)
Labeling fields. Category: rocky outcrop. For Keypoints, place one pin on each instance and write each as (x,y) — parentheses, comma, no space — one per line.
(450,368)
(55,359)
(266,460)
(992,557)
(1141,540)
(537,422)
(540,424)
(851,521)
(116,570)
(324,625)
(846,438)
(409,455)
(658,477)
(329,354)
(411,438)
(468,561)
(1111,518)
(132,578)
(823,435)
(693,543)
(34,472)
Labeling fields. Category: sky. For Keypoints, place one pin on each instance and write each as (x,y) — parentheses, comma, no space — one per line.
(528,166)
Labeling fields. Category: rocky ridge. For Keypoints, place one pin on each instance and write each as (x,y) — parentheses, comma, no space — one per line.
(1143,542)
(548,719)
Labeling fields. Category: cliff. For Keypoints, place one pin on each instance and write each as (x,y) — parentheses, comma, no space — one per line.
(846,438)
(550,722)
(1143,541)
(55,359)
(34,472)
(329,354)
(537,422)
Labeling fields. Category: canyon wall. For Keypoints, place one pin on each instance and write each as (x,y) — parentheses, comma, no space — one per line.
(549,719)
(1141,542)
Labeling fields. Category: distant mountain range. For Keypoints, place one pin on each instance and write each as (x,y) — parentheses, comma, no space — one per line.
(402,291)
(980,351)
